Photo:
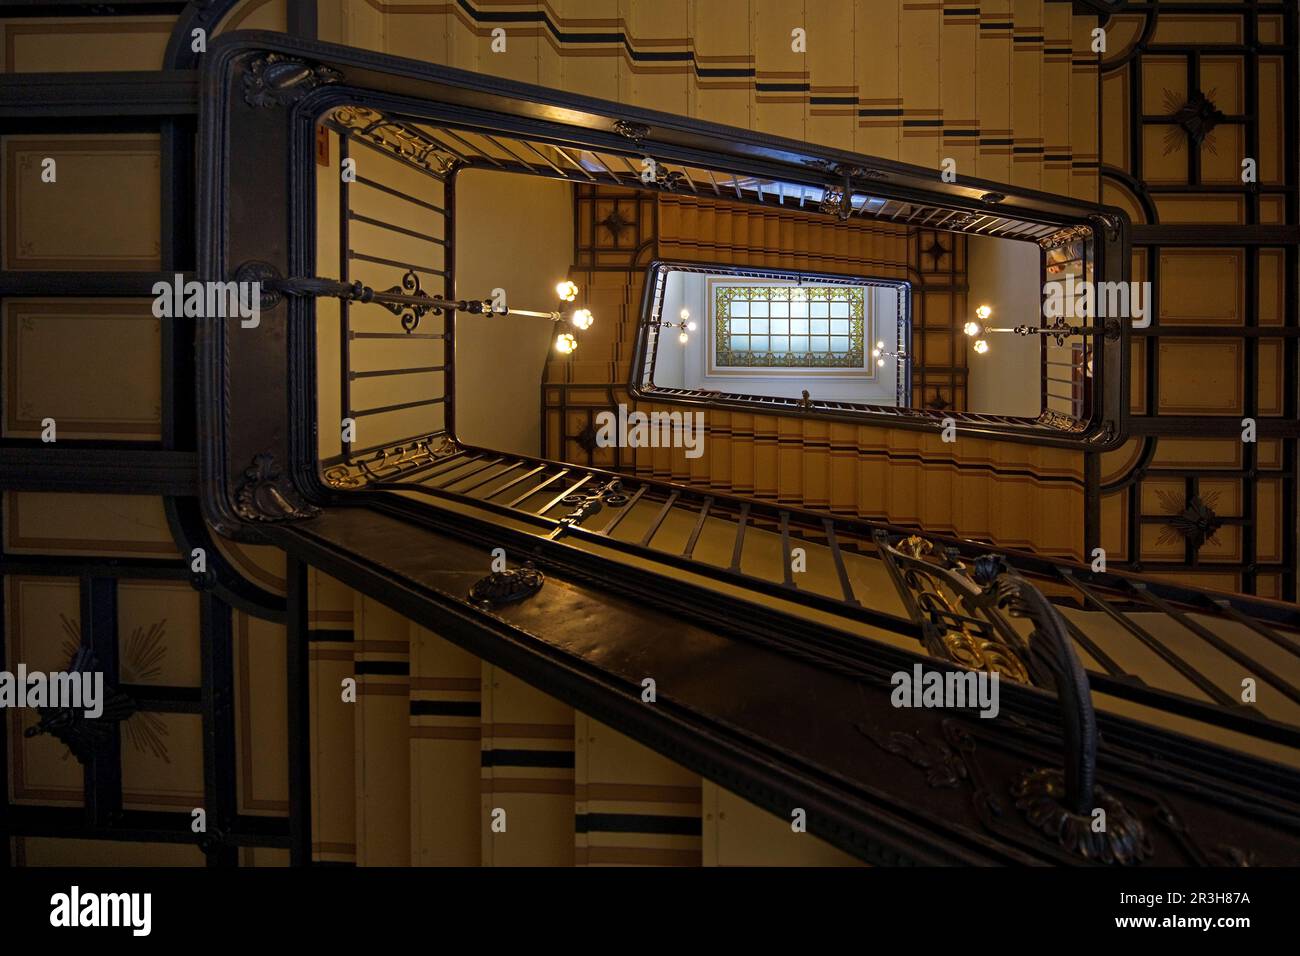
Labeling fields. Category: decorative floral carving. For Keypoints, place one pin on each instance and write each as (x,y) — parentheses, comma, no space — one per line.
(84,736)
(268,495)
(1193,519)
(1123,840)
(943,767)
(1196,117)
(274,79)
(615,222)
(1222,854)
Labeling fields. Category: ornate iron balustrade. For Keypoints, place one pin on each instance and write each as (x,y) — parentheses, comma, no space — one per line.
(936,604)
(958,600)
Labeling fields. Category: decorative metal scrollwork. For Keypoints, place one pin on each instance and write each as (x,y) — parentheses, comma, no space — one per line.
(666,179)
(398,139)
(970,629)
(949,632)
(340,476)
(840,169)
(1060,421)
(633,131)
(585,505)
(407,301)
(409,315)
(1062,803)
(389,464)
(1067,235)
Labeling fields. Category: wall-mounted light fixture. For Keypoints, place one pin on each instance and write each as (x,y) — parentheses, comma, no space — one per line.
(684,323)
(880,353)
(1059,330)
(408,301)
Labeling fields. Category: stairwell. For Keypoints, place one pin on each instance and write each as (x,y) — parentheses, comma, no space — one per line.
(1010,494)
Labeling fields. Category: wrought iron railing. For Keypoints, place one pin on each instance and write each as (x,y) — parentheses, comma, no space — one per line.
(394,238)
(883,582)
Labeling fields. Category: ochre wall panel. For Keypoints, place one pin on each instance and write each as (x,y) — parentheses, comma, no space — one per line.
(101,212)
(1209,378)
(1057,89)
(446,721)
(50,851)
(84,44)
(737,833)
(256,15)
(93,366)
(919,35)
(833,91)
(527,765)
(261,719)
(662,27)
(333,727)
(42,630)
(995,99)
(162,762)
(382,731)
(632,806)
(1085,135)
(1027,94)
(777,64)
(1201,287)
(158,633)
(48,522)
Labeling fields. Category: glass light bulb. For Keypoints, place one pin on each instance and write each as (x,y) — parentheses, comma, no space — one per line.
(582,319)
(565,343)
(683,338)
(566,290)
(972,328)
(690,326)
(684,314)
(981,346)
(875,353)
(984,311)
(880,363)
(880,344)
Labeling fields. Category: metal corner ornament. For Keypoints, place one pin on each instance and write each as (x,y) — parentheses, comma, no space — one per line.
(268,495)
(506,587)
(274,79)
